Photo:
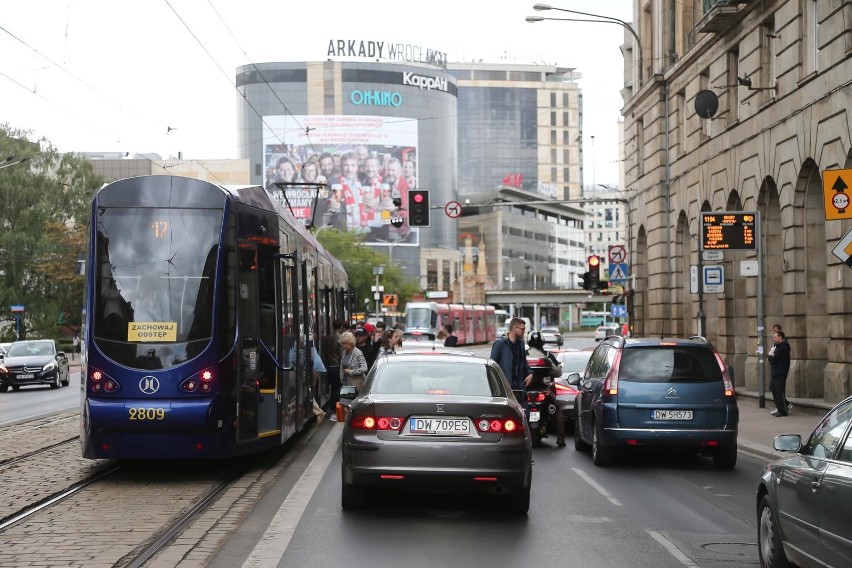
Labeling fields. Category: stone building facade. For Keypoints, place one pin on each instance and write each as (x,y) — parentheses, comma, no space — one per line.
(782,73)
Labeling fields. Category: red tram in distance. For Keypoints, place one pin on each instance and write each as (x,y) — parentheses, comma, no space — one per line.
(471,323)
(203,305)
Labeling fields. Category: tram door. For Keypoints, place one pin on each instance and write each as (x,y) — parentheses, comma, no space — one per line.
(249,371)
(287,292)
(258,344)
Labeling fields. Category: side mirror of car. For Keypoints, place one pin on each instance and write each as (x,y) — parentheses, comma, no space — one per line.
(574,379)
(788,443)
(348,393)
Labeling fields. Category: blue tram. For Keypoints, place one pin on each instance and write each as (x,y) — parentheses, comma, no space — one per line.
(203,304)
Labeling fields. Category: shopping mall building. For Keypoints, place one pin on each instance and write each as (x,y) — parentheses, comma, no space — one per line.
(459,130)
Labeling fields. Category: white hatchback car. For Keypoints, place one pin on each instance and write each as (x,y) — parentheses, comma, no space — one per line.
(605,331)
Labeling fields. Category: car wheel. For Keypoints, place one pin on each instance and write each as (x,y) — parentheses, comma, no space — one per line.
(579,444)
(67,380)
(519,501)
(601,455)
(726,458)
(769,547)
(352,497)
(56,381)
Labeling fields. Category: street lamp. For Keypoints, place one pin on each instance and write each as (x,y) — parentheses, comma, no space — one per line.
(378,271)
(606,19)
(512,269)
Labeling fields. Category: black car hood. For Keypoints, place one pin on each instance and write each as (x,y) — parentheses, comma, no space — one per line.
(29,361)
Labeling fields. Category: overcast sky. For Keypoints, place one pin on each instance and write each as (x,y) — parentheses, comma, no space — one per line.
(113,75)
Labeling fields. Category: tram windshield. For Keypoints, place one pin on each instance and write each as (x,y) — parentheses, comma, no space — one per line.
(421,318)
(154,280)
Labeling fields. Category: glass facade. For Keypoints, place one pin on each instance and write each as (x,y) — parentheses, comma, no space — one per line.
(497,130)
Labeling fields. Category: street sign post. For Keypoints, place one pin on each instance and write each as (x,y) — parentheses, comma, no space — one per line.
(836,186)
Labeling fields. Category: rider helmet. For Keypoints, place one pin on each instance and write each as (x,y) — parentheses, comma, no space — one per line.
(535,340)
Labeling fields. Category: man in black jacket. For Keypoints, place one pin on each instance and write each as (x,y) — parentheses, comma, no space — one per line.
(779,365)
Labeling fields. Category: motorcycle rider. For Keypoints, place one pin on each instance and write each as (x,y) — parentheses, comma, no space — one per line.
(536,349)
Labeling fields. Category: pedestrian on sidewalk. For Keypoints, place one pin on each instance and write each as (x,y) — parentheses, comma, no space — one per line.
(75,345)
(779,365)
(777,327)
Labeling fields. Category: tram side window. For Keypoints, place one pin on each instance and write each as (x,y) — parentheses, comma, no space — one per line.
(248,312)
(266,286)
(228,292)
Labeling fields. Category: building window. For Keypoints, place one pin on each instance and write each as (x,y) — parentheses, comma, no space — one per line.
(733,86)
(566,156)
(767,59)
(553,175)
(680,108)
(553,155)
(446,275)
(640,147)
(565,100)
(553,137)
(704,83)
(566,174)
(566,137)
(565,119)
(553,119)
(810,37)
(553,99)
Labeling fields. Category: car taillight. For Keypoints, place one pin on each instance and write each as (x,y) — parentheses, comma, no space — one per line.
(562,389)
(365,422)
(199,383)
(537,362)
(98,382)
(506,425)
(610,386)
(534,396)
(726,379)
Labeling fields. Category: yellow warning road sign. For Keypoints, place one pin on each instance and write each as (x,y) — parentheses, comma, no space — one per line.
(837,191)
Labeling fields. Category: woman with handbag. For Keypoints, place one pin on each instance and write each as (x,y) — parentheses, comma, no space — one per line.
(353,365)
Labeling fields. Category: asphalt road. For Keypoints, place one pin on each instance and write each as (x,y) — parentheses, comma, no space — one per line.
(36,401)
(657,510)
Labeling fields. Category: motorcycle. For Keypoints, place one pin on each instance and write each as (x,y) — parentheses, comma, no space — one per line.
(543,411)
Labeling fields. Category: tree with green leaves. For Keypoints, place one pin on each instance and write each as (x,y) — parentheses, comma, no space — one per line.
(359,260)
(46,198)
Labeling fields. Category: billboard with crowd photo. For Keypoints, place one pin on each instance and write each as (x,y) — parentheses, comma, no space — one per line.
(368,163)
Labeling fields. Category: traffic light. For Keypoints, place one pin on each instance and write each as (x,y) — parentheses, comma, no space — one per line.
(418,208)
(593,280)
(584,281)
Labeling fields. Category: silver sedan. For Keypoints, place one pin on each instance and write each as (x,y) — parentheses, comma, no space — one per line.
(435,420)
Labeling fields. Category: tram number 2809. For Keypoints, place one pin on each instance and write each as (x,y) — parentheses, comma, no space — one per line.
(146,413)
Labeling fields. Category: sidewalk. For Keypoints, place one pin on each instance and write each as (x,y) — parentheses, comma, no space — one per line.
(758,428)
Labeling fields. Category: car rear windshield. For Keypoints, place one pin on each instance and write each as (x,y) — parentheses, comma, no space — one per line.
(669,364)
(437,378)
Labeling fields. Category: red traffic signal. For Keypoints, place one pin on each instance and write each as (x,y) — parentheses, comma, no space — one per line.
(418,208)
(594,260)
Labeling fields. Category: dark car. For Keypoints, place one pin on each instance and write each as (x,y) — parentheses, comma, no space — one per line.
(551,335)
(433,420)
(656,392)
(34,362)
(572,361)
(803,500)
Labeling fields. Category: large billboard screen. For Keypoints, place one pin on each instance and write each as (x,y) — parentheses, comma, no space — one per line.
(368,163)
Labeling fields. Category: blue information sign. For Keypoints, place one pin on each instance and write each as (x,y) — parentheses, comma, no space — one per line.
(618,311)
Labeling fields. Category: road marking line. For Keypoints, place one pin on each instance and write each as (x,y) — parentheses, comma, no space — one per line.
(597,486)
(272,545)
(672,548)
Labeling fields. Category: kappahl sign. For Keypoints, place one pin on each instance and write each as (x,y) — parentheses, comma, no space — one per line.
(424,82)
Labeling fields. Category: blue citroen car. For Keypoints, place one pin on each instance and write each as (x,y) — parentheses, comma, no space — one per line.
(656,392)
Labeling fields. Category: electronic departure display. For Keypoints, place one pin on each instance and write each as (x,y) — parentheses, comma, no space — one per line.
(728,231)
